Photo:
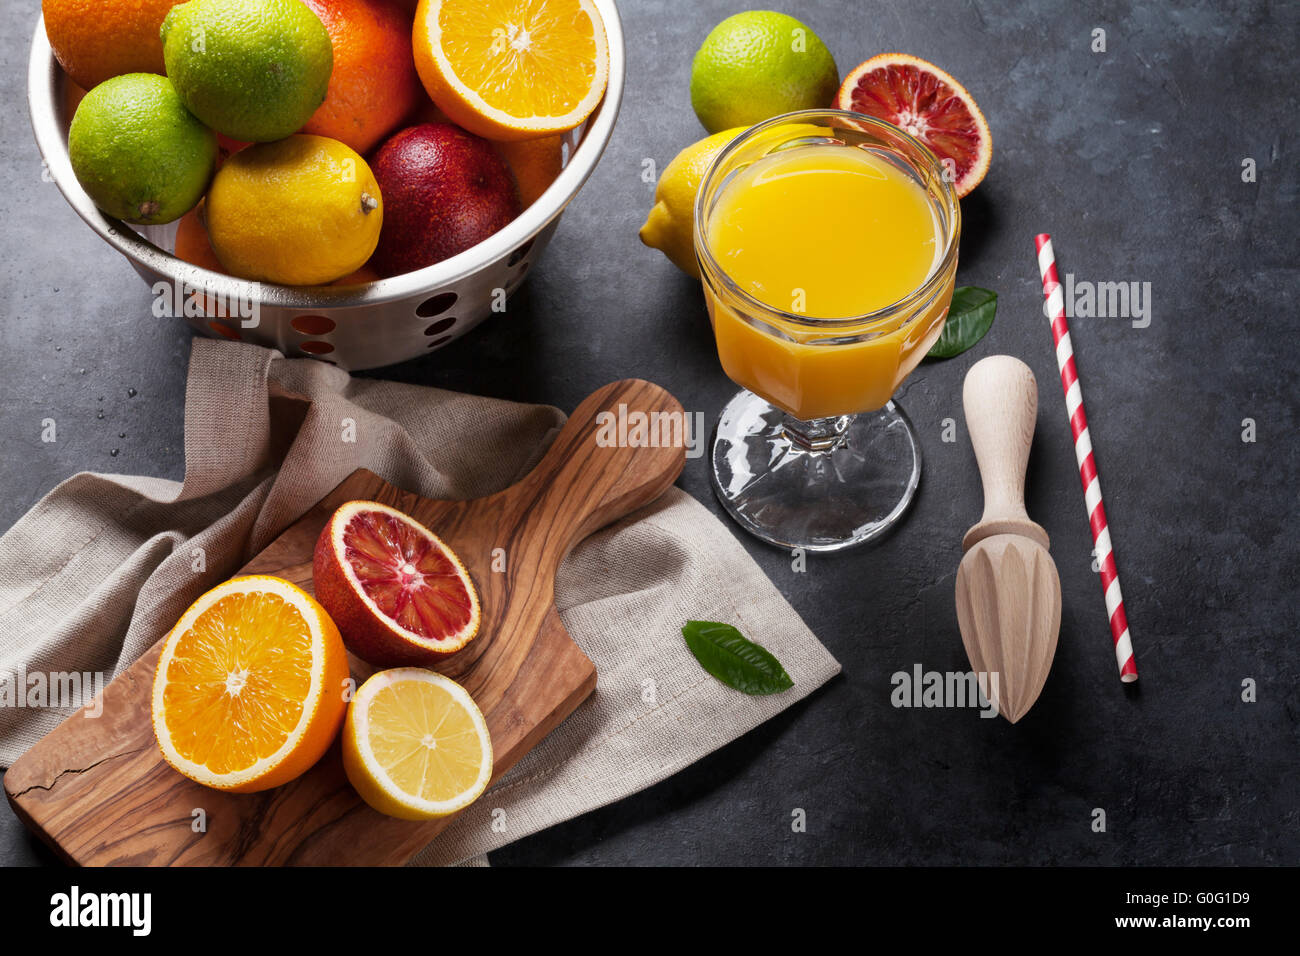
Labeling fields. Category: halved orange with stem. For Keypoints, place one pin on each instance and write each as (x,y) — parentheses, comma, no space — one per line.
(396,591)
(512,69)
(249,689)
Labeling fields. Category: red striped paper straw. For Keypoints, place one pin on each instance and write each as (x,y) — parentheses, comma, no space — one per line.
(1083,455)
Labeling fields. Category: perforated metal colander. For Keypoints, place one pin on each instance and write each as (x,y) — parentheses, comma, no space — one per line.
(356,327)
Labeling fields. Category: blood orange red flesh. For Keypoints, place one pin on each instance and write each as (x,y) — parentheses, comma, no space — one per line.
(923,100)
(398,594)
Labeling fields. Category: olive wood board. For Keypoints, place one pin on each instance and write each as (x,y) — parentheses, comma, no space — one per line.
(99,793)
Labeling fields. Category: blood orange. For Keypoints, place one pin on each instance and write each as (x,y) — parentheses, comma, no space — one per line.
(398,594)
(923,100)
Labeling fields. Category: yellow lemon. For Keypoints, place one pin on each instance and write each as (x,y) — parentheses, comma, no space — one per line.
(415,745)
(305,210)
(671,223)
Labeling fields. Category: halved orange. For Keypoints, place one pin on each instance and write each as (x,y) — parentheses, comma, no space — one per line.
(249,689)
(920,98)
(512,69)
(396,591)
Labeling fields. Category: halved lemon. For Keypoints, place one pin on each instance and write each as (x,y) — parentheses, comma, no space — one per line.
(415,745)
(248,692)
(512,69)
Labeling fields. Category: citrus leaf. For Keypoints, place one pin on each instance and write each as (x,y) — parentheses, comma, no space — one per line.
(969,317)
(739,663)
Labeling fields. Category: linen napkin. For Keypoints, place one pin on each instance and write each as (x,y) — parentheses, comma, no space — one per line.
(104,565)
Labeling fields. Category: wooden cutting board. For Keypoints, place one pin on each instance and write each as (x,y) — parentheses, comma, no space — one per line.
(98,791)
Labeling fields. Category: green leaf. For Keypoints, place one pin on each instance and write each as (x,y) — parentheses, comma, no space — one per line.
(740,664)
(969,318)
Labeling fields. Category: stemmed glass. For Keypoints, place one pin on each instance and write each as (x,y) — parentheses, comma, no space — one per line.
(813,453)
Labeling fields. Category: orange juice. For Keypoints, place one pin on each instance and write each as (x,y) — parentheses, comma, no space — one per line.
(825,233)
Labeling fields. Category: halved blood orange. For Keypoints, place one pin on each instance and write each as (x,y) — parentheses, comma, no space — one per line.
(398,594)
(923,100)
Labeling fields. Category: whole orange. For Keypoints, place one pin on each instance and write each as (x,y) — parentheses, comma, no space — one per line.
(374,84)
(95,40)
(192,242)
(535,163)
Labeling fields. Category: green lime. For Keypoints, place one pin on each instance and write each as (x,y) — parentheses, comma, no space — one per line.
(254,70)
(757,65)
(138,152)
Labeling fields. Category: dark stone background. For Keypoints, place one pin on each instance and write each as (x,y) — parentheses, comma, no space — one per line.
(1133,160)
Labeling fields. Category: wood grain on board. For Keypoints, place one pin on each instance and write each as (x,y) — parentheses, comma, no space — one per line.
(98,791)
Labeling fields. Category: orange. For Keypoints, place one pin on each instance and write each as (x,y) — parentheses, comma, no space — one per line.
(250,686)
(374,83)
(925,101)
(399,594)
(360,277)
(192,243)
(512,69)
(535,163)
(228,146)
(95,40)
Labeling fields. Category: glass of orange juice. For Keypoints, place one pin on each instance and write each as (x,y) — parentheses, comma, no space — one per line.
(827,243)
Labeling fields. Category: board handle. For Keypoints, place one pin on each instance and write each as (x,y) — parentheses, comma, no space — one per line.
(1000,397)
(620,450)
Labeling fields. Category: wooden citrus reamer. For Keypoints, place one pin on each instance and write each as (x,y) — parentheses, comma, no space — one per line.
(1008,591)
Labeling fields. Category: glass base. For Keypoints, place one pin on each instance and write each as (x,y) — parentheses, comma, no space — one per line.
(823,485)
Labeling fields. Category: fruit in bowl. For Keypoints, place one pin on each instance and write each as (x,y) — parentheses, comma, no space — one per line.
(447,190)
(512,69)
(253,70)
(304,210)
(535,163)
(348,72)
(373,86)
(369,323)
(96,40)
(137,152)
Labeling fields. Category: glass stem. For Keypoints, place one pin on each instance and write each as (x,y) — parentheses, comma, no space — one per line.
(817,434)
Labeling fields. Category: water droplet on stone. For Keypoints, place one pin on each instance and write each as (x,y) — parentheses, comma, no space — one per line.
(121,434)
(130,393)
(113,452)
(100,413)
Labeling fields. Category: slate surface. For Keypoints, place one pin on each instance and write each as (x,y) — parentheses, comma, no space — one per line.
(1132,158)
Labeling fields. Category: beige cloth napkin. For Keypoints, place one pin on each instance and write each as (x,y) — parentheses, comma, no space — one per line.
(103,566)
